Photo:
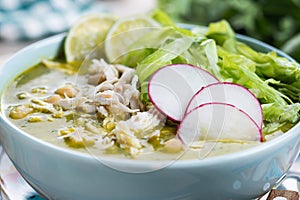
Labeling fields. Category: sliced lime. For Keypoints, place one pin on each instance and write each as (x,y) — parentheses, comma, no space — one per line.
(85,35)
(125,32)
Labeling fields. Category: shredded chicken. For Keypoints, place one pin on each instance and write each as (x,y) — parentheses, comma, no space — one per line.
(116,97)
(111,113)
(141,126)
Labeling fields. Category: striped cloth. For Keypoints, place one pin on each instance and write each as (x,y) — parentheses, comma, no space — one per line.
(32,19)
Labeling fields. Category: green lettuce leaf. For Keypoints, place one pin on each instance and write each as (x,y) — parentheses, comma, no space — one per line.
(278,116)
(165,20)
(241,70)
(163,56)
(204,54)
(149,43)
(291,90)
(220,31)
(274,80)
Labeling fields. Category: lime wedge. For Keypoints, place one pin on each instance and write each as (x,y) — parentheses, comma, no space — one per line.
(85,35)
(125,32)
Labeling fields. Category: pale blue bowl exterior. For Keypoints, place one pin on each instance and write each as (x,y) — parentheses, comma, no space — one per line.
(64,174)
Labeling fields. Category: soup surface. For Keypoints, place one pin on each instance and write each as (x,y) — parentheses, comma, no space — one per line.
(100,113)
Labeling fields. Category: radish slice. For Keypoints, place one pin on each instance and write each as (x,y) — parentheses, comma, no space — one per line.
(217,121)
(229,93)
(171,88)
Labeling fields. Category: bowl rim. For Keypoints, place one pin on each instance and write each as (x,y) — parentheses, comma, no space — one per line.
(175,164)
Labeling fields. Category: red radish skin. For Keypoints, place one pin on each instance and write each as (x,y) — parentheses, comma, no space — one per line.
(213,121)
(229,93)
(171,87)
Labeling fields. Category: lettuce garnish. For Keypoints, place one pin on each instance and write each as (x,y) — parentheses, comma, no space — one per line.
(274,80)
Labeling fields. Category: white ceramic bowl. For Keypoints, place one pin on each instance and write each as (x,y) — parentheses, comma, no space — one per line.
(59,173)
